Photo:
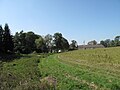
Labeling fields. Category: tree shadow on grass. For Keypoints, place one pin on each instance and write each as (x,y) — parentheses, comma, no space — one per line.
(11,57)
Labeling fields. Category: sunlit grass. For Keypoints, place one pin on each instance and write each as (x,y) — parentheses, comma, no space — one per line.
(84,69)
(95,69)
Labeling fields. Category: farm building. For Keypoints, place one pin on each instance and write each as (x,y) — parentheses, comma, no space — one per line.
(90,46)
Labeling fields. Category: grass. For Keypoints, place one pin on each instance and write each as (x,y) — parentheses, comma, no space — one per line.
(97,69)
(62,73)
(20,74)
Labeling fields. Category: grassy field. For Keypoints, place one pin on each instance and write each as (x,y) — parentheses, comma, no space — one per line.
(20,74)
(97,69)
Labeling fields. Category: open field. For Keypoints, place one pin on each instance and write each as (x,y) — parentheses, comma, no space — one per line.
(84,69)
(96,69)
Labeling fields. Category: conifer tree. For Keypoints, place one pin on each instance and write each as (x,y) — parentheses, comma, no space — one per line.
(7,39)
(1,39)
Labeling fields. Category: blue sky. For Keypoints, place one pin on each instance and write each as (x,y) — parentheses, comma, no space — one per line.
(75,19)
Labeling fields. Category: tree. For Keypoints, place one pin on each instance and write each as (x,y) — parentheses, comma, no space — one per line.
(103,43)
(20,42)
(30,41)
(117,41)
(17,43)
(40,45)
(92,42)
(48,41)
(73,45)
(60,42)
(107,42)
(7,39)
(25,42)
(57,41)
(112,43)
(65,44)
(1,39)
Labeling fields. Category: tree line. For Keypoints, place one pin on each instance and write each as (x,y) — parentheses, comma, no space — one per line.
(29,42)
(111,43)
(107,43)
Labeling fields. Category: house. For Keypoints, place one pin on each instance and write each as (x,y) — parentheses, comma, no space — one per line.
(90,46)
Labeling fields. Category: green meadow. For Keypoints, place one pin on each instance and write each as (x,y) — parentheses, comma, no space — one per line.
(96,69)
(93,69)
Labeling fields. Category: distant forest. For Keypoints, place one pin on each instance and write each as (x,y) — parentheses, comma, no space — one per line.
(29,42)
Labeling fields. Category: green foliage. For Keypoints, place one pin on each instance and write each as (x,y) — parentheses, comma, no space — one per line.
(117,40)
(28,42)
(25,42)
(60,42)
(6,41)
(65,44)
(106,43)
(73,45)
(1,39)
(40,45)
(111,43)
(48,41)
(92,42)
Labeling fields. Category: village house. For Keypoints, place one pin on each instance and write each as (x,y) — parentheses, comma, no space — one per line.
(90,46)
